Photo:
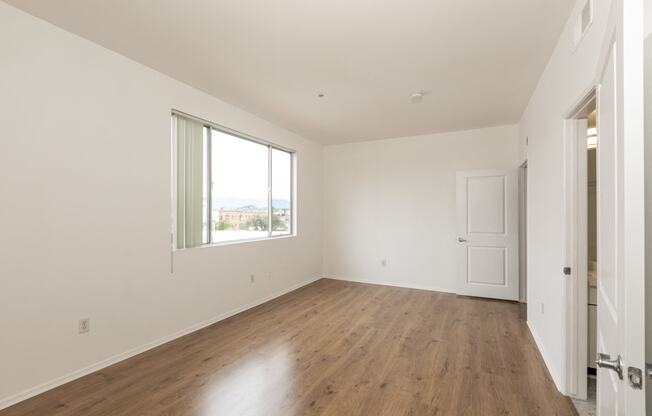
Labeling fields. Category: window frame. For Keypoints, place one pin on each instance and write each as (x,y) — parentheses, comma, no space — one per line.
(243,136)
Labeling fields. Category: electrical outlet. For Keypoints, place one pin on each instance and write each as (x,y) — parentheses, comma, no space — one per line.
(252,278)
(269,275)
(383,262)
(84,325)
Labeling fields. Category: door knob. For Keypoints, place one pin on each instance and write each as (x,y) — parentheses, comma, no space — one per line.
(605,361)
(461,240)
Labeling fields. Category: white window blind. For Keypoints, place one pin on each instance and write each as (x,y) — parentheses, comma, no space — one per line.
(188,181)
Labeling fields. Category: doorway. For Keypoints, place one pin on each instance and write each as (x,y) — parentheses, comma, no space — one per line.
(582,255)
(522,232)
(587,150)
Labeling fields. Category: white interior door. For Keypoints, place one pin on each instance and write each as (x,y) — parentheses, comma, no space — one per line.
(620,329)
(487,222)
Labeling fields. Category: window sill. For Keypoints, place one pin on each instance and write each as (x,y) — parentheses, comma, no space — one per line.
(238,242)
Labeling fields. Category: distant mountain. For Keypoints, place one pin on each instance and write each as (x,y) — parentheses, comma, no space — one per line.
(280,203)
(233,202)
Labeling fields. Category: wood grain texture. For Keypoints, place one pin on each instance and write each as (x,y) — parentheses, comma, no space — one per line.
(331,348)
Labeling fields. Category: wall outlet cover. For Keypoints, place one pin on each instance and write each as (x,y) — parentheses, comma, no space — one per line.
(84,325)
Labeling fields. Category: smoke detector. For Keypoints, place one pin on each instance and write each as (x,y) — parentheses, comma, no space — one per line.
(416,98)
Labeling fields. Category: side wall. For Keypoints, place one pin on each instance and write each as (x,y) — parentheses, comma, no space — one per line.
(85,211)
(394,200)
(568,75)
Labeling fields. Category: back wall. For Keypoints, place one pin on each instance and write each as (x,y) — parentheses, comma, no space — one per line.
(394,200)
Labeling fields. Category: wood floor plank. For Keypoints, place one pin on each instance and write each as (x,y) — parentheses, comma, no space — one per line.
(331,348)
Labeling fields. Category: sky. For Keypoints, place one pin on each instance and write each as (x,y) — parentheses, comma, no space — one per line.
(240,169)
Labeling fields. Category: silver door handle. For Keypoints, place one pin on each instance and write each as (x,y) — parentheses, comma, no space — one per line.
(605,361)
(461,240)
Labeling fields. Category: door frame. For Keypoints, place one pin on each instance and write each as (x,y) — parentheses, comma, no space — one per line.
(522,232)
(575,284)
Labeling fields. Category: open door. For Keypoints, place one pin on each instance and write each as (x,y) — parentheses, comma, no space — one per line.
(621,294)
(487,222)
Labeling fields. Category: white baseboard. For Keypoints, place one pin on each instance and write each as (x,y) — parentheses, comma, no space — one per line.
(546,358)
(394,284)
(49,385)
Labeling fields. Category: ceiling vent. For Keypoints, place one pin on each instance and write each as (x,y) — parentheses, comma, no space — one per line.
(584,21)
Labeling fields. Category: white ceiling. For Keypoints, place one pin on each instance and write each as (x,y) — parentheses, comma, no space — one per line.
(478,61)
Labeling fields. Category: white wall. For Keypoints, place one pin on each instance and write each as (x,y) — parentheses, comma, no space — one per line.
(85,210)
(395,200)
(569,73)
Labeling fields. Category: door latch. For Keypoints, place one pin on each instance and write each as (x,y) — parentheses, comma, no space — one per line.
(635,376)
(605,361)
(567,271)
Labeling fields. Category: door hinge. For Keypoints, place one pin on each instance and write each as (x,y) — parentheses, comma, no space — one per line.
(567,271)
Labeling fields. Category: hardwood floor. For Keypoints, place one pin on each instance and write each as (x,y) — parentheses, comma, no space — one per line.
(331,348)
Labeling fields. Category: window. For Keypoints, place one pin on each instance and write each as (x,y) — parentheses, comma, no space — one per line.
(227,186)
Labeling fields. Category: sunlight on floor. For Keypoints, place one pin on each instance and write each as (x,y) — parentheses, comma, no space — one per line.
(256,384)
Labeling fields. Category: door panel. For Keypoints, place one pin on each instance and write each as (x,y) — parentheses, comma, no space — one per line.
(487,208)
(620,196)
(608,195)
(486,265)
(486,205)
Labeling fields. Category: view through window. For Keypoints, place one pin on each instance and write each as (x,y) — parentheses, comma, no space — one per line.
(246,187)
(281,192)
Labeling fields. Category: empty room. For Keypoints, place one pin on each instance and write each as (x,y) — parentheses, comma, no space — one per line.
(343,207)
